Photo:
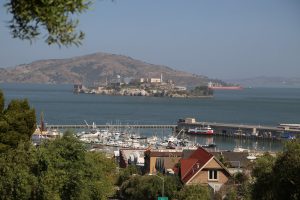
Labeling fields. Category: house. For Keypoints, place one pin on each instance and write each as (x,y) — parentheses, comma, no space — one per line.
(201,167)
(235,161)
(149,80)
(155,80)
(161,160)
(131,157)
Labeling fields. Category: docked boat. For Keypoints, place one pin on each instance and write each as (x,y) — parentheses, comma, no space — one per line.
(251,157)
(239,132)
(240,149)
(210,145)
(288,136)
(205,130)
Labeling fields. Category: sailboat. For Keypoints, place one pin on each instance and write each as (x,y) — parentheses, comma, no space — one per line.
(237,148)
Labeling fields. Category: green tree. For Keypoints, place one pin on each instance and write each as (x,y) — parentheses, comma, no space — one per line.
(130,188)
(240,178)
(263,174)
(286,172)
(100,175)
(59,169)
(149,187)
(172,185)
(17,180)
(1,102)
(191,192)
(126,173)
(56,18)
(17,123)
(278,178)
(231,194)
(66,170)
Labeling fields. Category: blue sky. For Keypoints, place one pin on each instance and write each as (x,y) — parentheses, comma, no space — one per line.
(221,39)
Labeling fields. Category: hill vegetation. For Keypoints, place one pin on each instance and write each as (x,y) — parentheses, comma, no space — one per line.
(95,69)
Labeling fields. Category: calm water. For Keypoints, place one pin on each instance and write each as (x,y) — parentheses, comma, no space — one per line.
(267,106)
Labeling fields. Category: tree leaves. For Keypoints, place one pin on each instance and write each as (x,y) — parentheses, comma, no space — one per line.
(278,178)
(190,192)
(69,171)
(54,18)
(16,177)
(59,169)
(149,187)
(17,123)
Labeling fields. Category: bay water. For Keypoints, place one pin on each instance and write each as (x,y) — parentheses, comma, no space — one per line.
(261,106)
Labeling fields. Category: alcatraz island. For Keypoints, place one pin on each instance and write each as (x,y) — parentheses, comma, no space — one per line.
(153,87)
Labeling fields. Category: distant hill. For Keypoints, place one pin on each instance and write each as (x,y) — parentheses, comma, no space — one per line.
(94,68)
(264,81)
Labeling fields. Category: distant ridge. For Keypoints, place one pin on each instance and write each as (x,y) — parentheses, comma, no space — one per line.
(94,68)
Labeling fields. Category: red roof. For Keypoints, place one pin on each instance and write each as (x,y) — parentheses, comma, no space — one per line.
(186,165)
(194,163)
(201,154)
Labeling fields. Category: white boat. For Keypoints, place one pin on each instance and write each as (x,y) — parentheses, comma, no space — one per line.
(204,130)
(239,132)
(240,149)
(210,145)
(251,157)
(152,140)
(92,134)
(53,133)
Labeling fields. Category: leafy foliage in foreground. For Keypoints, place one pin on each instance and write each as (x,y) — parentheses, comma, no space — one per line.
(194,192)
(278,178)
(17,122)
(125,174)
(55,17)
(17,179)
(59,169)
(149,187)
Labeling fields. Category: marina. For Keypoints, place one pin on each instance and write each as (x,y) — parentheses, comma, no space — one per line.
(229,129)
(176,136)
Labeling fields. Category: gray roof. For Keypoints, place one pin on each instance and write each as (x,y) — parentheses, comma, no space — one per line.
(236,159)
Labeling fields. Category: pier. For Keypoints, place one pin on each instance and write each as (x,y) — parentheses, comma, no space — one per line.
(113,126)
(245,130)
(231,126)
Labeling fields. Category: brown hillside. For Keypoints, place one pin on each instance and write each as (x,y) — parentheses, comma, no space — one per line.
(94,68)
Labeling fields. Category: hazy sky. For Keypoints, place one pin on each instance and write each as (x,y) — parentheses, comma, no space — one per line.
(221,39)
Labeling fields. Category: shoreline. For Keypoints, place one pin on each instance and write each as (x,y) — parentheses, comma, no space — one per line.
(181,97)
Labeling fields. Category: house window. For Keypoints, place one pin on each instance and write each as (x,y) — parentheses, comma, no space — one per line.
(212,175)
